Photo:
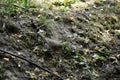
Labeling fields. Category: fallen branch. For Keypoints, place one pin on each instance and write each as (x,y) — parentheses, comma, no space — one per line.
(31,62)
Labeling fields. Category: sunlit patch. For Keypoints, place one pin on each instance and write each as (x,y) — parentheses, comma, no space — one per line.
(7,59)
(106,37)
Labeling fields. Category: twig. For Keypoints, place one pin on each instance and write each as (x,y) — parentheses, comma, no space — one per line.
(31,62)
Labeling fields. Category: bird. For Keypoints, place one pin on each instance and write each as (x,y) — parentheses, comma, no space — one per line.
(51,43)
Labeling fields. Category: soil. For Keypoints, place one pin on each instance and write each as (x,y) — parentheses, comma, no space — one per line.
(90,40)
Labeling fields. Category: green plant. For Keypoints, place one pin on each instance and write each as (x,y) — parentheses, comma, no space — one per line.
(13,6)
(9,7)
(26,3)
(98,57)
(67,47)
(64,2)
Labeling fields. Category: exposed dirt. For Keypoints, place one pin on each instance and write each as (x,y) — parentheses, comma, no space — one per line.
(90,42)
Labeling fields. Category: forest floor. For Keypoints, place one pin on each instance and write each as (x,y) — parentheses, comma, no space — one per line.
(90,39)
